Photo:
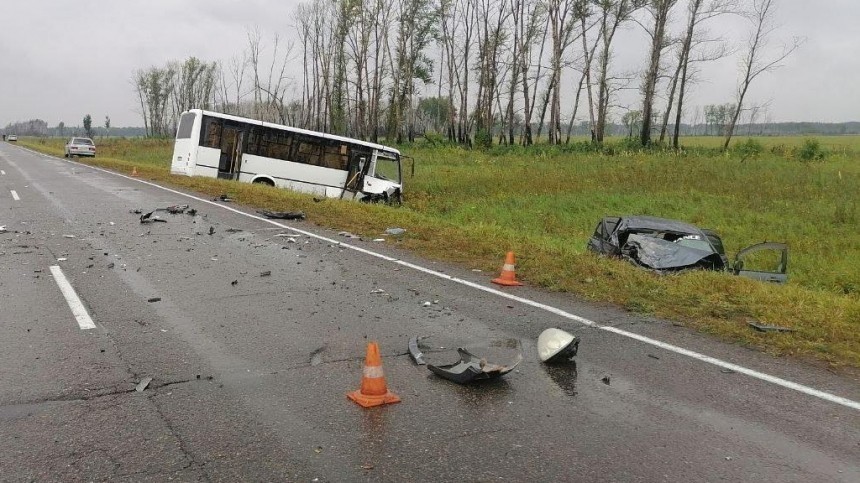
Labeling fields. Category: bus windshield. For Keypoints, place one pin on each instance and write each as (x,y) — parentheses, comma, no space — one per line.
(388,167)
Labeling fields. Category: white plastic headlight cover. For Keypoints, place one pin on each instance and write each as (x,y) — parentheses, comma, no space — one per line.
(556,344)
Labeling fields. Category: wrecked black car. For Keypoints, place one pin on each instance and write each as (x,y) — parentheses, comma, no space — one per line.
(670,245)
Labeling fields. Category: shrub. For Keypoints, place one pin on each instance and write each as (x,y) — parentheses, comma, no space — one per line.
(748,149)
(810,151)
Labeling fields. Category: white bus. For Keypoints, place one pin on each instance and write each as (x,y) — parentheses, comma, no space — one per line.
(230,147)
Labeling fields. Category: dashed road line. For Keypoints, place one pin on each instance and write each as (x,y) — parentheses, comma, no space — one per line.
(548,308)
(78,309)
(15,195)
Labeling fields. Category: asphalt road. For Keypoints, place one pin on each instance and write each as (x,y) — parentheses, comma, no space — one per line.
(250,372)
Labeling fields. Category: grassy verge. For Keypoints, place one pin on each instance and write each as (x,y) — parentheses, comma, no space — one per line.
(470,207)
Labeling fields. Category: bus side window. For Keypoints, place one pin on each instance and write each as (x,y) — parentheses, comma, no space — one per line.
(280,146)
(335,156)
(211,133)
(307,151)
(254,136)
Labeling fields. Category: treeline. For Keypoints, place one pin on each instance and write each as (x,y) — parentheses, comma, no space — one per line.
(39,128)
(475,71)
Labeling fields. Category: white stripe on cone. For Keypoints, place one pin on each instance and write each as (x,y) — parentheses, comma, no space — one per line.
(508,267)
(373,372)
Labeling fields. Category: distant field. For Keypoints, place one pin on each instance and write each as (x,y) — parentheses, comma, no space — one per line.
(543,202)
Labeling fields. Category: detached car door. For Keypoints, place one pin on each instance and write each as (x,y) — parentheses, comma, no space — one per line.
(767,262)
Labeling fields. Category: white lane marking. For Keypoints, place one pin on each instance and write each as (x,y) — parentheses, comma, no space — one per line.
(15,195)
(590,323)
(78,309)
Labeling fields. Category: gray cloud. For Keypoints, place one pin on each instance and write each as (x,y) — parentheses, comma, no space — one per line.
(60,60)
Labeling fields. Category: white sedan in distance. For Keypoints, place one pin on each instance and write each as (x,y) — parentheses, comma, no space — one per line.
(80,147)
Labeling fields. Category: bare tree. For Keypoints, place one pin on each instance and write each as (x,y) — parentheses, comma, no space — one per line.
(229,84)
(659,10)
(533,17)
(612,14)
(492,15)
(192,86)
(585,12)
(699,11)
(153,87)
(562,23)
(756,62)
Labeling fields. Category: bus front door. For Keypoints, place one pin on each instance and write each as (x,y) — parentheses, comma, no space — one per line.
(231,153)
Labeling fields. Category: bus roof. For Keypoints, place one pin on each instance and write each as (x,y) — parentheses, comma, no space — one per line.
(296,130)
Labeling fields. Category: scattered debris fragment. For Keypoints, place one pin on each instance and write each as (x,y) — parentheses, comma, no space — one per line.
(367,466)
(143,384)
(471,368)
(348,234)
(426,304)
(154,299)
(176,209)
(111,265)
(224,198)
(211,230)
(136,212)
(377,291)
(266,273)
(150,218)
(234,283)
(379,239)
(287,235)
(395,231)
(769,328)
(727,371)
(316,356)
(2,228)
(605,379)
(191,212)
(653,356)
(283,215)
(62,259)
(415,352)
(555,345)
(233,230)
(68,236)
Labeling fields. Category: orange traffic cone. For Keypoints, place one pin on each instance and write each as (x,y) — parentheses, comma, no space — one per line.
(508,276)
(134,171)
(374,391)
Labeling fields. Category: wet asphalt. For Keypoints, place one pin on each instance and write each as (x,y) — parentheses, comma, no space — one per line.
(250,370)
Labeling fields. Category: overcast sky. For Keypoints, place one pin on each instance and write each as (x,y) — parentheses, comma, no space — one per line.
(62,59)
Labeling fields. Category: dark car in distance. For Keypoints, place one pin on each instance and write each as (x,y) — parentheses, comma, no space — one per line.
(670,245)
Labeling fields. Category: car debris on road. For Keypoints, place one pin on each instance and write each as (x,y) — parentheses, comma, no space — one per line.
(768,328)
(143,384)
(283,215)
(150,218)
(415,352)
(555,345)
(472,368)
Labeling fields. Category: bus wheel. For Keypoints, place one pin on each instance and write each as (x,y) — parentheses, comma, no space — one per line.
(264,181)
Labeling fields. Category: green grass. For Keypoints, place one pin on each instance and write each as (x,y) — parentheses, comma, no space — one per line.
(470,207)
